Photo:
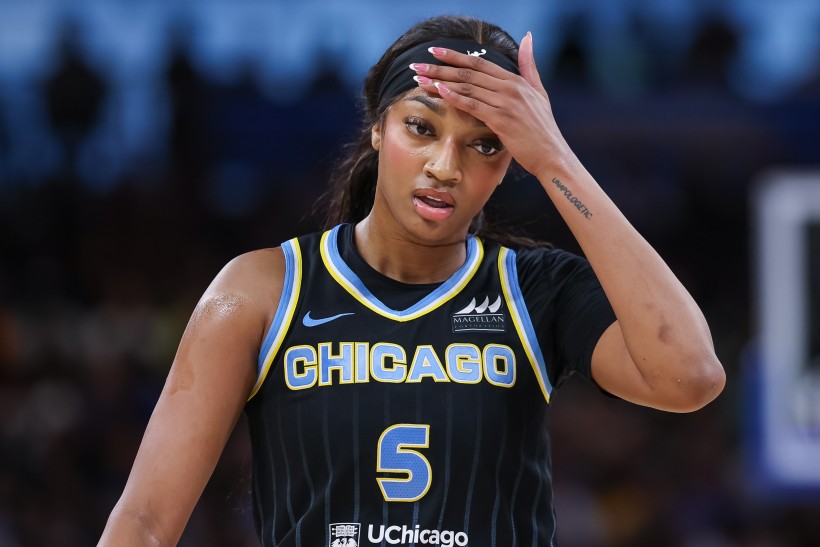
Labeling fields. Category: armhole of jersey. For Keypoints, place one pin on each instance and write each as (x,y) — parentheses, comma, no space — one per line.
(284,312)
(521,318)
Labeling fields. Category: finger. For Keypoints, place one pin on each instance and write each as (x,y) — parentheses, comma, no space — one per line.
(470,105)
(458,74)
(478,63)
(526,64)
(464,89)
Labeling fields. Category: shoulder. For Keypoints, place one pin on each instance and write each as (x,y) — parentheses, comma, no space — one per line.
(258,276)
(247,289)
(532,261)
(251,274)
(548,261)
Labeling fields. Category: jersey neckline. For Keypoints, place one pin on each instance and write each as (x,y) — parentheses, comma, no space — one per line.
(352,283)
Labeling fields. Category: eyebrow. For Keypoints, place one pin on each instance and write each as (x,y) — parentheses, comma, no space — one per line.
(428,102)
(435,106)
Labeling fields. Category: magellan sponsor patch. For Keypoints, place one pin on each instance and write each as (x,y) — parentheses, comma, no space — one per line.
(480,315)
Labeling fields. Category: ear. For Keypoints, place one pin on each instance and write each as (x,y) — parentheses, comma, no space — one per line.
(376,136)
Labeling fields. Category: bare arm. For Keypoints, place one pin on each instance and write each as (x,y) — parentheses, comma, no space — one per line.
(209,382)
(659,352)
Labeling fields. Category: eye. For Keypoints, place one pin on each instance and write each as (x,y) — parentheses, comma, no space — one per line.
(417,126)
(488,147)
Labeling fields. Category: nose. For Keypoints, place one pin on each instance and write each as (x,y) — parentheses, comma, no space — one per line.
(443,162)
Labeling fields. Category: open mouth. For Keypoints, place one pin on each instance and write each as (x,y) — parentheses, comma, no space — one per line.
(433,202)
(433,205)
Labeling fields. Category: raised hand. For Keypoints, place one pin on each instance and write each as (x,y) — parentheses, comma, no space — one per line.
(516,108)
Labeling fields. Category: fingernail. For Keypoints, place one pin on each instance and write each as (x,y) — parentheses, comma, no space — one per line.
(439,51)
(442,89)
(419,67)
(422,80)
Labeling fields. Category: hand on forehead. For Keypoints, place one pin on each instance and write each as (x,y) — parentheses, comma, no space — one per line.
(456,53)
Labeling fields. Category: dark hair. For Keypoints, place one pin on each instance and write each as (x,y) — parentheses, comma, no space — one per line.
(353,180)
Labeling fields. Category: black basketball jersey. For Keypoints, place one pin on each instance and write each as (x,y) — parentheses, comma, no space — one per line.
(424,425)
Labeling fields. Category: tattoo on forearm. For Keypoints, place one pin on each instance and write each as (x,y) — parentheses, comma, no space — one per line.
(572,199)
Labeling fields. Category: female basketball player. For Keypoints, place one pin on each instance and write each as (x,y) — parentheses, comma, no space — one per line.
(396,370)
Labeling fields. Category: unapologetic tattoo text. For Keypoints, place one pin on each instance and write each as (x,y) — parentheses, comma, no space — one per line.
(572,199)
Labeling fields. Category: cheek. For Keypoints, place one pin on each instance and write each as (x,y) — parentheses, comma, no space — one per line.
(488,176)
(397,156)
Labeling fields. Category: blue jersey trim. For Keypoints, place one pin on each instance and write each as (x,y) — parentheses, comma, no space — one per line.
(521,318)
(284,311)
(342,273)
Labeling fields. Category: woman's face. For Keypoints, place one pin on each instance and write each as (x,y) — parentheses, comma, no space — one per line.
(438,166)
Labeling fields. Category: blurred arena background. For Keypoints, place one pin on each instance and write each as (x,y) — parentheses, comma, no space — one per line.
(144,144)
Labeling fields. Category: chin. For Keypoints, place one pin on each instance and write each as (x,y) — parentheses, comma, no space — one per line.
(437,233)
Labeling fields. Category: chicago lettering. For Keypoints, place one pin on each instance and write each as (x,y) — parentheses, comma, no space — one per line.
(404,536)
(330,363)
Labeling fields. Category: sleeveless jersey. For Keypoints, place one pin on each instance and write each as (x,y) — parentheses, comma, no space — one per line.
(425,425)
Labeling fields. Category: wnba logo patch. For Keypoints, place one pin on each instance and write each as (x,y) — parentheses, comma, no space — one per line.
(480,315)
(344,534)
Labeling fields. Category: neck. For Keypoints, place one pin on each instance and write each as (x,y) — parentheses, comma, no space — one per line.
(404,259)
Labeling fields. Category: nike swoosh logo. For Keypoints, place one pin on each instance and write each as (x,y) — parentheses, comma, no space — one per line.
(309,321)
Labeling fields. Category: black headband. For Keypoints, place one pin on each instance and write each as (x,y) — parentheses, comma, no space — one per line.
(399,77)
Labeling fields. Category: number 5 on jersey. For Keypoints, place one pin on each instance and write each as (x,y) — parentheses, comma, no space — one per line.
(395,456)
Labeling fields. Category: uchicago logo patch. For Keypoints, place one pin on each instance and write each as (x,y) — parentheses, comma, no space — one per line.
(344,534)
(480,315)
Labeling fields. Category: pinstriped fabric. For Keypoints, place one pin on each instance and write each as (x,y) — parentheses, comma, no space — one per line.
(478,393)
(328,459)
(257,494)
(419,419)
(288,501)
(305,470)
(448,462)
(502,449)
(535,504)
(474,470)
(534,516)
(516,484)
(552,525)
(357,480)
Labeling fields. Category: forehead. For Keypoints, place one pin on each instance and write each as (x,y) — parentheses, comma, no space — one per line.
(434,103)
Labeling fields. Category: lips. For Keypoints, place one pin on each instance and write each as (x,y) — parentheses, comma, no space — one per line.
(435,197)
(432,204)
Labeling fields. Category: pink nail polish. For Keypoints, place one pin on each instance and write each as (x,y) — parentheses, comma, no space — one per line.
(438,51)
(419,67)
(422,80)
(442,89)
